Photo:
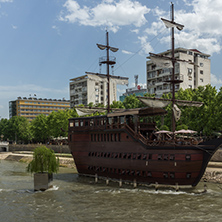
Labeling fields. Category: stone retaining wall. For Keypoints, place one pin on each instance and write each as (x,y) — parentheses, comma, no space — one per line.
(31,147)
(217,157)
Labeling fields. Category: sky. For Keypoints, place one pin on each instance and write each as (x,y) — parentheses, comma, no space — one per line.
(45,43)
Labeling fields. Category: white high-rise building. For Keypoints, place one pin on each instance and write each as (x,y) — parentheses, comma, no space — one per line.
(92,87)
(195,72)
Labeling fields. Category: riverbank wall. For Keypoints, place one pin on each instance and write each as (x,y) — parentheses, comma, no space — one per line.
(31,147)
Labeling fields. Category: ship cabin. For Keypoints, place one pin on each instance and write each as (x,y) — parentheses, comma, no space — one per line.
(139,122)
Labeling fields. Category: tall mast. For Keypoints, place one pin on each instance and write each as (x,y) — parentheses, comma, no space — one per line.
(173,69)
(108,63)
(107,70)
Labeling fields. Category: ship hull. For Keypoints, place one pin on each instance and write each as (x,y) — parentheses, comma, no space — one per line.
(124,157)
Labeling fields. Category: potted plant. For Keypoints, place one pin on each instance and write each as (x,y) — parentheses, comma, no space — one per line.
(43,165)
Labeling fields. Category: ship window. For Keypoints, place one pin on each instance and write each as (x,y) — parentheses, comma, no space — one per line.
(98,136)
(108,137)
(116,155)
(115,137)
(91,137)
(98,155)
(111,137)
(91,122)
(76,123)
(112,155)
(89,154)
(124,156)
(165,175)
(188,157)
(172,157)
(129,156)
(159,157)
(94,137)
(81,122)
(137,172)
(92,153)
(139,156)
(101,137)
(105,137)
(150,156)
(95,153)
(144,156)
(120,155)
(86,123)
(105,154)
(188,175)
(172,175)
(71,124)
(119,137)
(108,155)
(134,156)
(149,174)
(165,157)
(102,154)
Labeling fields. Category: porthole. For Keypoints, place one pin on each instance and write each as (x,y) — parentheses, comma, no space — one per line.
(188,175)
(188,157)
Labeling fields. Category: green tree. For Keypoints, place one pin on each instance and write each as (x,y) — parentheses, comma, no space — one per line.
(18,129)
(40,129)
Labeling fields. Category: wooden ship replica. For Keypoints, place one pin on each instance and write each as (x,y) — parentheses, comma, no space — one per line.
(122,146)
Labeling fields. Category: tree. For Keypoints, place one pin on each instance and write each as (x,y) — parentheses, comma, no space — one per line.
(18,129)
(40,129)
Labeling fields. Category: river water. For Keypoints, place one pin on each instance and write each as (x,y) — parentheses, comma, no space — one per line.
(74,198)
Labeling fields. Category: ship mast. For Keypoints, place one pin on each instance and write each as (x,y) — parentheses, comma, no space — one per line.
(173,69)
(108,62)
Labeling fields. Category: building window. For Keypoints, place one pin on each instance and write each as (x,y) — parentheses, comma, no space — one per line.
(190,86)
(201,71)
(201,64)
(190,53)
(189,71)
(201,80)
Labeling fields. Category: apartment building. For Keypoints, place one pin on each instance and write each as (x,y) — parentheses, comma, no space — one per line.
(194,72)
(92,88)
(32,106)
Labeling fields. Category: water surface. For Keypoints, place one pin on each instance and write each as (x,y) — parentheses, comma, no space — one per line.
(74,198)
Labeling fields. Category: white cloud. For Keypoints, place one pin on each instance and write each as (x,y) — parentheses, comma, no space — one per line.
(3,1)
(216,81)
(146,46)
(12,92)
(110,13)
(126,52)
(203,24)
(135,31)
(14,27)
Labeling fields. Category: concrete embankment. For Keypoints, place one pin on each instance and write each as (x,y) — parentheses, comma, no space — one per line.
(213,172)
(65,160)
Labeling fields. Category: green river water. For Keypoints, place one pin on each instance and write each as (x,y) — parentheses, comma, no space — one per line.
(74,198)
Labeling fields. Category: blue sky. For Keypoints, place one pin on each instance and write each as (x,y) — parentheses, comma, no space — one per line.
(44,43)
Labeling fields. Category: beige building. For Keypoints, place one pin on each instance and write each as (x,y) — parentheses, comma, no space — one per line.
(92,88)
(195,72)
(32,107)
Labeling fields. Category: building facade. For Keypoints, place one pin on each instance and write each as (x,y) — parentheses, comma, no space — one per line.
(92,88)
(32,107)
(195,72)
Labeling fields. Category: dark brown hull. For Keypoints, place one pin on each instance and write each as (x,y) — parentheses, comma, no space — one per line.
(127,158)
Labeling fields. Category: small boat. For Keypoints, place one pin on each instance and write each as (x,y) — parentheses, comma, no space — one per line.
(124,145)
